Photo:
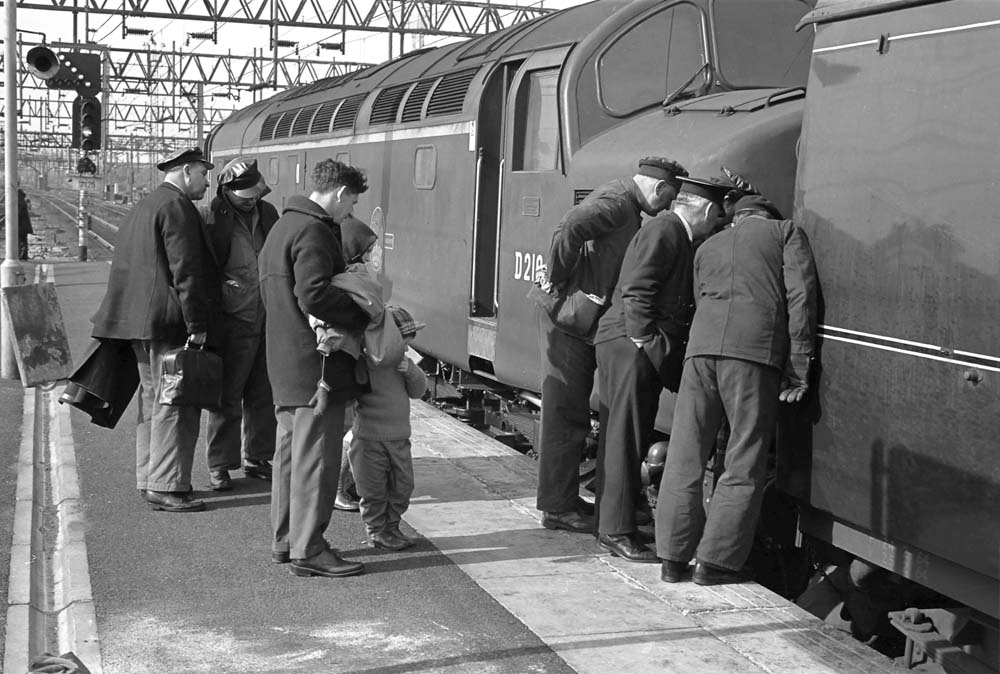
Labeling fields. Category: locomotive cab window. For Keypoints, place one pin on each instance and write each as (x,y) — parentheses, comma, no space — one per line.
(671,48)
(536,123)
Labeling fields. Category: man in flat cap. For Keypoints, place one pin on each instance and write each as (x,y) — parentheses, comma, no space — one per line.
(583,263)
(236,224)
(161,292)
(640,346)
(750,345)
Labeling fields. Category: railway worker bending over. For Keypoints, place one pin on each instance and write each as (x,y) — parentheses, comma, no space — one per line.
(640,347)
(584,259)
(300,256)
(236,225)
(161,290)
(750,346)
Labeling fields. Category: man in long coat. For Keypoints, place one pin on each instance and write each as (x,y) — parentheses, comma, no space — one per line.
(751,342)
(241,432)
(584,259)
(640,342)
(160,292)
(299,259)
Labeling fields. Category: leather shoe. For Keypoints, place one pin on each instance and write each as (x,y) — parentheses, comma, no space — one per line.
(326,563)
(175,502)
(280,557)
(219,480)
(346,503)
(673,572)
(624,546)
(258,470)
(570,521)
(584,507)
(386,541)
(706,574)
(394,530)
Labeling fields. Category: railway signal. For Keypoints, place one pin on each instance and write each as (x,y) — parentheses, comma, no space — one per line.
(86,124)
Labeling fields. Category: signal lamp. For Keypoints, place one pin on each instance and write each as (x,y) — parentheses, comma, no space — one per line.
(86,124)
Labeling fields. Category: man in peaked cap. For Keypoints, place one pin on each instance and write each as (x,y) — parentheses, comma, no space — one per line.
(640,346)
(236,224)
(583,263)
(161,292)
(750,345)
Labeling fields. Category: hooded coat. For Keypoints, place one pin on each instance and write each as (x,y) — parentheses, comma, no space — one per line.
(300,256)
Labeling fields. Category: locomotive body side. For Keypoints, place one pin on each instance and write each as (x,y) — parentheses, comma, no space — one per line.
(896,188)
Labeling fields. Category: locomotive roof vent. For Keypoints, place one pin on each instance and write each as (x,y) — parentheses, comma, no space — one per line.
(348,112)
(284,126)
(449,95)
(267,129)
(304,119)
(321,121)
(414,107)
(386,106)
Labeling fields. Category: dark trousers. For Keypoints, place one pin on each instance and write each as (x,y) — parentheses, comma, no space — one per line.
(713,389)
(246,403)
(568,366)
(630,393)
(165,435)
(305,473)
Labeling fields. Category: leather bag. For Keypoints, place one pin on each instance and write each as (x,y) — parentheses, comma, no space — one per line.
(191,377)
(575,313)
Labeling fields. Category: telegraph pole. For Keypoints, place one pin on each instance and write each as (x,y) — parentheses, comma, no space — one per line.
(11,273)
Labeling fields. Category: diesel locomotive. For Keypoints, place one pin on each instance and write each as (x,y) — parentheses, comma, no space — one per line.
(475,150)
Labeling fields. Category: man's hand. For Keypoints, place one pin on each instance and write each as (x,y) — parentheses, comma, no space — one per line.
(791,393)
(640,341)
(197,338)
(319,400)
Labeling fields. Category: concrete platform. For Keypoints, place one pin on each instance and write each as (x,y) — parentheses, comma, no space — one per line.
(474,501)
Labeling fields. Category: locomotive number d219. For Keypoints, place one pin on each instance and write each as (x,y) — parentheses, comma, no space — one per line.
(527,265)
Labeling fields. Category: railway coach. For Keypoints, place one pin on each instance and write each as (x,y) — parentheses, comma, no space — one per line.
(475,150)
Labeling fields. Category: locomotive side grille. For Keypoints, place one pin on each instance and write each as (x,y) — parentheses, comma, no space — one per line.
(321,122)
(415,103)
(449,95)
(304,119)
(267,129)
(285,124)
(386,105)
(348,113)
(580,195)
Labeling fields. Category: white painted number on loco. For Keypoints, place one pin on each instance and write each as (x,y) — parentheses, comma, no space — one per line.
(527,265)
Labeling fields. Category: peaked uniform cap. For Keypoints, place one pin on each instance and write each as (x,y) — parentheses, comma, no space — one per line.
(181,157)
(713,189)
(242,177)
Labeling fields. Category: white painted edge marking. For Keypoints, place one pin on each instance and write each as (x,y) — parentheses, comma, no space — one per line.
(18,635)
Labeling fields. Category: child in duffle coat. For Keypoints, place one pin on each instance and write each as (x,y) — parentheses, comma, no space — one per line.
(380,448)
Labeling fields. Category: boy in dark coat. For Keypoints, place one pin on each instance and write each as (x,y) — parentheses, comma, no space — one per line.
(301,254)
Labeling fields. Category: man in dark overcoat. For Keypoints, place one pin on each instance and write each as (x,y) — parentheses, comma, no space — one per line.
(584,259)
(236,224)
(640,345)
(750,346)
(299,258)
(161,291)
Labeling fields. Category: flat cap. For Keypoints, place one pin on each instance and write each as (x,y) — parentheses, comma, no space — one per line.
(744,186)
(243,178)
(186,156)
(661,168)
(404,321)
(756,201)
(713,189)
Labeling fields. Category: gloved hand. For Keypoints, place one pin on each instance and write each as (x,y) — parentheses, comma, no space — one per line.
(320,399)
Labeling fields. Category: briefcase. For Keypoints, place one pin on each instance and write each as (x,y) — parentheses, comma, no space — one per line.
(191,377)
(575,313)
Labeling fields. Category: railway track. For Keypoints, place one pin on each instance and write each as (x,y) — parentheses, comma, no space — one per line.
(103,218)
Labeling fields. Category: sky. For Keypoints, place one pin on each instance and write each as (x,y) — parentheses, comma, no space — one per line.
(232,38)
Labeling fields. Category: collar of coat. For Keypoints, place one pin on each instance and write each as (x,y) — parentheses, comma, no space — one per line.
(306,206)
